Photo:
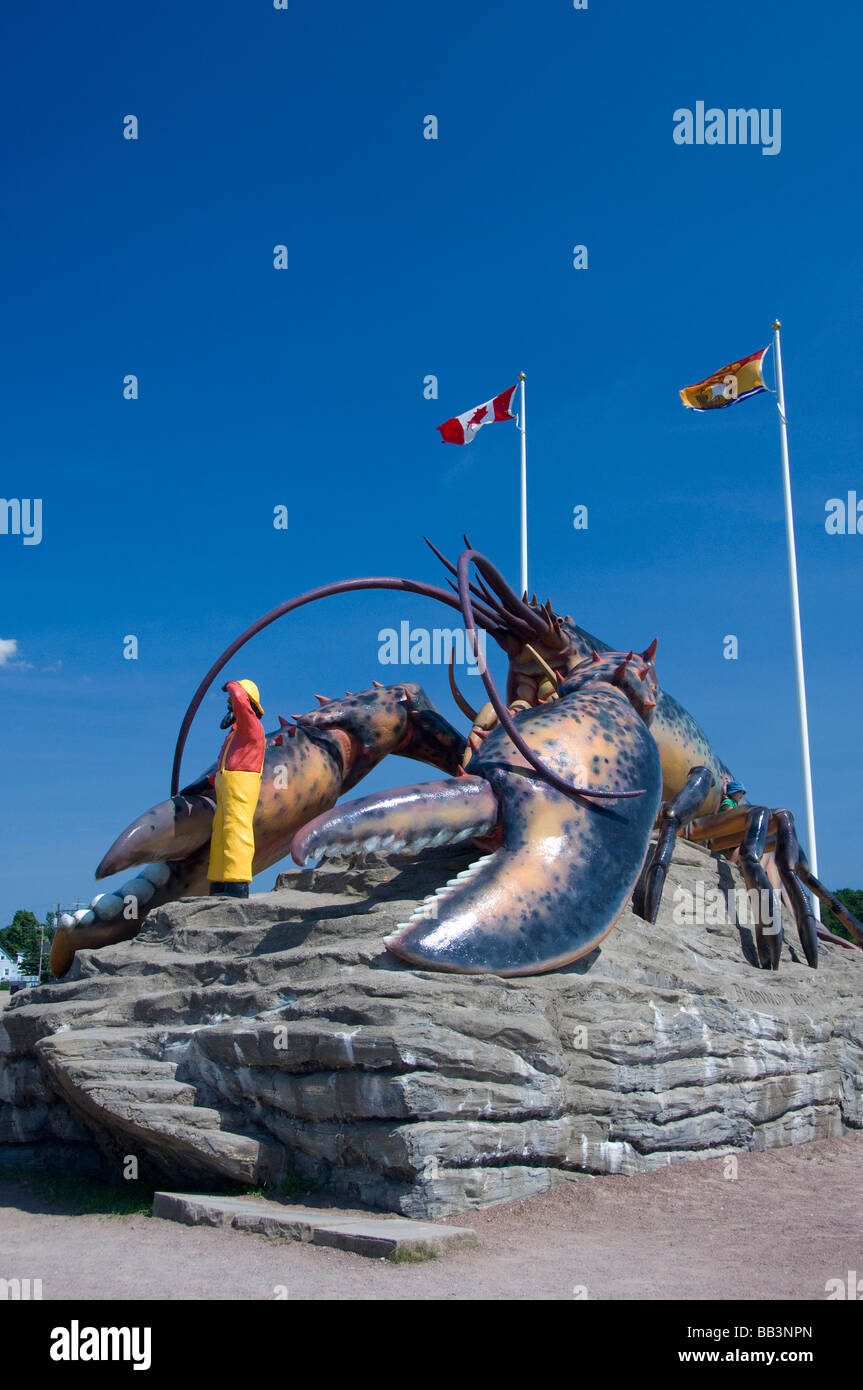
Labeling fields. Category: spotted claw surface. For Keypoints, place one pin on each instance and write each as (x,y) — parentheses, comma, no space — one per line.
(566,865)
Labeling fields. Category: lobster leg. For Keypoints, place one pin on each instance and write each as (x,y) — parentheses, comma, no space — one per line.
(768,935)
(830,900)
(753,831)
(788,862)
(676,813)
(774,832)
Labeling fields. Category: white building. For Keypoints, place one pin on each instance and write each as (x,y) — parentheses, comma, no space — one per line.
(11,972)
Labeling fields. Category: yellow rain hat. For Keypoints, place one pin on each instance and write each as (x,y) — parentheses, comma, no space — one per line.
(252,691)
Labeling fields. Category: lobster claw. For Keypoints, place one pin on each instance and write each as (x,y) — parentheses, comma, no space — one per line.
(171,830)
(565,865)
(411,818)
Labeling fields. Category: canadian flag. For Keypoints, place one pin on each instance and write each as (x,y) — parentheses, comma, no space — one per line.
(462,428)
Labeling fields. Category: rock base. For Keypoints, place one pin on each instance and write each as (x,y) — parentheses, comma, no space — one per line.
(240,1041)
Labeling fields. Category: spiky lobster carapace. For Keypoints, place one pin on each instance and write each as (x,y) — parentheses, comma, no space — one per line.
(560,782)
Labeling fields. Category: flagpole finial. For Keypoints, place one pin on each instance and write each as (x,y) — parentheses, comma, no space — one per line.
(521,376)
(777,323)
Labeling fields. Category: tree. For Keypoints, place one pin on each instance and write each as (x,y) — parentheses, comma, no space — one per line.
(21,937)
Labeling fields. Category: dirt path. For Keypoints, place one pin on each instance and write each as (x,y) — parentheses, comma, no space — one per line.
(791,1220)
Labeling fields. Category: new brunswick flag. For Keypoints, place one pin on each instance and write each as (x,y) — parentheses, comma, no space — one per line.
(732,383)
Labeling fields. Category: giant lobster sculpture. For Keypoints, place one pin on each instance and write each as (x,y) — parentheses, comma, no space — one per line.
(559,783)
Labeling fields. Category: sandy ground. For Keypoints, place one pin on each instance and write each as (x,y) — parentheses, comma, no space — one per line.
(791,1220)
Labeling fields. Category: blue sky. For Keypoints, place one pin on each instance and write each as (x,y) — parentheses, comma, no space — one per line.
(304,387)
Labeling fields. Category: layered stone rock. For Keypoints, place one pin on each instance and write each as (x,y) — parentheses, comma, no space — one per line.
(244,1040)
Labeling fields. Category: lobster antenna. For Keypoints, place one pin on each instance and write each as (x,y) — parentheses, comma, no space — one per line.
(341,586)
(456,693)
(494,696)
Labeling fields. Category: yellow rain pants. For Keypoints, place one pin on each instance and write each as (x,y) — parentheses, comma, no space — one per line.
(232,847)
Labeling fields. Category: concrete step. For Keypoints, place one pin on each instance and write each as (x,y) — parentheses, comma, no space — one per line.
(380,1237)
(107,1072)
(125,1069)
(167,1117)
(115,1090)
(226,1154)
(197,1005)
(92,1046)
(232,1153)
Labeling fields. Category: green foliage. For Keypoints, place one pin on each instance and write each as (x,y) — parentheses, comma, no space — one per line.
(83,1196)
(289,1186)
(22,937)
(293,1186)
(413,1255)
(852,898)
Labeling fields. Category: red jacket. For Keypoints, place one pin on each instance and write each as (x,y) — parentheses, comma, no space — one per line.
(244,748)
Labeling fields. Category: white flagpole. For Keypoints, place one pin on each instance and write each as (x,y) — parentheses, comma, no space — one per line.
(795,618)
(523,432)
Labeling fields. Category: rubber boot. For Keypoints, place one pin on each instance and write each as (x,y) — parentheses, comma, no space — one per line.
(229,890)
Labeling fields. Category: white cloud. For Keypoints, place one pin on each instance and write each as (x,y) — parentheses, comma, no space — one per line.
(10,658)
